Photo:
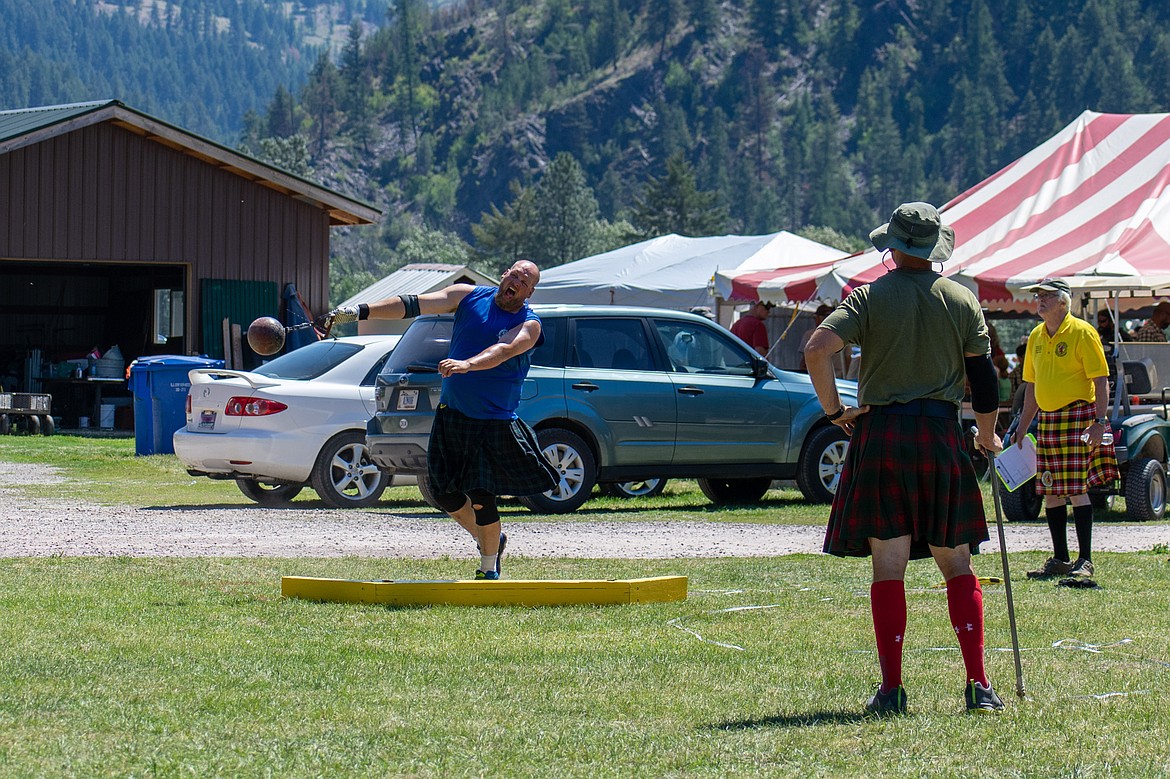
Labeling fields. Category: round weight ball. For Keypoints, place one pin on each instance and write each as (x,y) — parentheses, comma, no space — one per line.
(266,336)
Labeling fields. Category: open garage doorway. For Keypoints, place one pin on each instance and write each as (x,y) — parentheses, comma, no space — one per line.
(54,316)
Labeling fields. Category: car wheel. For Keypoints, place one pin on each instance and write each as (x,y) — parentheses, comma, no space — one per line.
(821,461)
(345,476)
(646,488)
(1020,505)
(574,461)
(269,493)
(424,488)
(1145,490)
(739,491)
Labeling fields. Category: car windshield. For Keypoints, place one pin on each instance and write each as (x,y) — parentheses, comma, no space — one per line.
(425,343)
(309,361)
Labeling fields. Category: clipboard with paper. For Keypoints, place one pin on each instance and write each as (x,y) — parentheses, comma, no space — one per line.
(1016,465)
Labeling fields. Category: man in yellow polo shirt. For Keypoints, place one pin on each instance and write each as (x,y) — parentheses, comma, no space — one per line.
(1066,382)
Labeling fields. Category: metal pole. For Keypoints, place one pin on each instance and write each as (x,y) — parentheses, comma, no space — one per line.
(1007,579)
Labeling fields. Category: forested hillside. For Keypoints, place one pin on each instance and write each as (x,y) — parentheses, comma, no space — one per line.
(763,114)
(558,128)
(201,64)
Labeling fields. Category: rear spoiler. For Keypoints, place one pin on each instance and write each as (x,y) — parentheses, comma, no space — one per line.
(207,375)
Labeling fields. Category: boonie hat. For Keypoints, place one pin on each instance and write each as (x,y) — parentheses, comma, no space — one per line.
(917,230)
(1051,285)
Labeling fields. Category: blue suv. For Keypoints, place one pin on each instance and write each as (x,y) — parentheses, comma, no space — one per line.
(626,394)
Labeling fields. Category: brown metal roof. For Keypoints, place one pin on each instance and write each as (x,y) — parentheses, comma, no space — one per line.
(26,126)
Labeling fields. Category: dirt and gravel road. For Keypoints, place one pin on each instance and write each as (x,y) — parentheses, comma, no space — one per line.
(34,527)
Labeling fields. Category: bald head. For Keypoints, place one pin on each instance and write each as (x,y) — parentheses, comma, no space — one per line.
(517,285)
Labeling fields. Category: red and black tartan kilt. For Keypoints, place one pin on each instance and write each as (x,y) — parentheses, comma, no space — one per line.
(1066,465)
(906,475)
(500,456)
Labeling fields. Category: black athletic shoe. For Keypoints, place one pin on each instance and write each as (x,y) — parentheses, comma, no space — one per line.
(981,699)
(500,554)
(885,704)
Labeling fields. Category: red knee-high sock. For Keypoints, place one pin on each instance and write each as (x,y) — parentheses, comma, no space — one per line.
(965,603)
(887,600)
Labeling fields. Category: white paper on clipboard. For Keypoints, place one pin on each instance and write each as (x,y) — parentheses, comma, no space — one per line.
(1016,465)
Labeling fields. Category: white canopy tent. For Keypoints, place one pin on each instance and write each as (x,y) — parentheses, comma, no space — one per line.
(671,271)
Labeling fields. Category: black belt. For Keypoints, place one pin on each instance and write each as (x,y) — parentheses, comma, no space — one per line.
(923,407)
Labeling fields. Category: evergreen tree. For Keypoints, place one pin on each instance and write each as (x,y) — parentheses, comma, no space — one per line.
(281,118)
(705,16)
(564,215)
(501,237)
(673,204)
(322,101)
(981,100)
(662,17)
(830,197)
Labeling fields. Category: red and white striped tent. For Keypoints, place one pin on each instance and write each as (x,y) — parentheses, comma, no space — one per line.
(1092,200)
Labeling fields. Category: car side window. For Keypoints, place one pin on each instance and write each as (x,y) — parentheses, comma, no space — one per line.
(611,344)
(694,348)
(551,353)
(371,377)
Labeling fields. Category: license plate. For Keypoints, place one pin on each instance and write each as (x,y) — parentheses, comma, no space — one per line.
(407,400)
(206,420)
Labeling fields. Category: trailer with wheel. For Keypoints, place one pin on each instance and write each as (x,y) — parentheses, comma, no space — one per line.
(26,412)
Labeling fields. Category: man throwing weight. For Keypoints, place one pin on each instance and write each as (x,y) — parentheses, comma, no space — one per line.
(479,448)
(908,488)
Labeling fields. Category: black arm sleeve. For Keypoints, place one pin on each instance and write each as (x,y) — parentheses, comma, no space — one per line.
(984,383)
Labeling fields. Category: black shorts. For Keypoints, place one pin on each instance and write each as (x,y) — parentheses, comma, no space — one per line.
(500,456)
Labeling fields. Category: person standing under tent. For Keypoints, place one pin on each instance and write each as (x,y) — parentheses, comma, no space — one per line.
(839,369)
(479,448)
(908,488)
(750,327)
(1066,383)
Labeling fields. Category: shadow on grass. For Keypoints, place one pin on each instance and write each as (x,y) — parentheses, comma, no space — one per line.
(508,507)
(411,506)
(658,504)
(806,720)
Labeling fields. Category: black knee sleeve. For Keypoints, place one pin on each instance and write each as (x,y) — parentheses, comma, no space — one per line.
(486,510)
(451,501)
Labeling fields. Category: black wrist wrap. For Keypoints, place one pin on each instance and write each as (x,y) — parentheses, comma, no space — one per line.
(410,303)
(363,310)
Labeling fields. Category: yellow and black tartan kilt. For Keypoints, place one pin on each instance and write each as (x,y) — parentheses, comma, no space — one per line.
(1066,465)
(500,456)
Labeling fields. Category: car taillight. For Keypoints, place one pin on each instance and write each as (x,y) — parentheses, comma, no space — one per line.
(252,407)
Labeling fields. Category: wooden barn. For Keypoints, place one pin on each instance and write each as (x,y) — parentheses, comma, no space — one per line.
(118,229)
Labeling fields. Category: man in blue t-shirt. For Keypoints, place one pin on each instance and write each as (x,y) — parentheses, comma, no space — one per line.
(479,448)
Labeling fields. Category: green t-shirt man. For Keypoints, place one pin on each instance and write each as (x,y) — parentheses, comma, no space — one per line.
(900,364)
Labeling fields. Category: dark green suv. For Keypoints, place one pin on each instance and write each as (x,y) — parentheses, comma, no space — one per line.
(630,394)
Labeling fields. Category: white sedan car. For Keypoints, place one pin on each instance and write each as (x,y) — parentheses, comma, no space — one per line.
(297,420)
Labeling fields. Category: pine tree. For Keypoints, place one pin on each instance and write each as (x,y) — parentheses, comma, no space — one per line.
(502,237)
(281,118)
(673,204)
(322,100)
(565,214)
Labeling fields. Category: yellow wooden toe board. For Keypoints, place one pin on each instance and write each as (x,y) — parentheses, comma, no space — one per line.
(506,592)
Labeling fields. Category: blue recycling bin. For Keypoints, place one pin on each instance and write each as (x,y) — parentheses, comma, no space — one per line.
(159,383)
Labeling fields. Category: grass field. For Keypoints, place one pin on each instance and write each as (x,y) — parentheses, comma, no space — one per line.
(197,667)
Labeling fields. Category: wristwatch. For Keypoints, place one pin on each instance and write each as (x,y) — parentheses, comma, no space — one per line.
(1101,421)
(836,414)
